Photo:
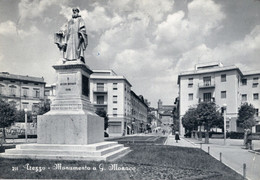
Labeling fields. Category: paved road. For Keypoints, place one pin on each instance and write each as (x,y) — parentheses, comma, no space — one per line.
(233,154)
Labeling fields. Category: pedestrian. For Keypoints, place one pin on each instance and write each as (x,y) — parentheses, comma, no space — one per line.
(177,137)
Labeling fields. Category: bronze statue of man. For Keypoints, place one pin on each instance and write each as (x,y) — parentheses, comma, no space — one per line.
(72,40)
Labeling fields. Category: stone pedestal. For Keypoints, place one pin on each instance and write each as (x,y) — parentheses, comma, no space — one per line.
(71,119)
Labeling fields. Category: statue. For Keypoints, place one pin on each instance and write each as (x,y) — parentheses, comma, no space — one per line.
(72,39)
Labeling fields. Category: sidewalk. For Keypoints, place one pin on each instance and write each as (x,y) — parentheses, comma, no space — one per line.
(182,143)
(233,154)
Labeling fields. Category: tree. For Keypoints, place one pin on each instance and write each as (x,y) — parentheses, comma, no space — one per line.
(45,107)
(189,120)
(7,115)
(20,116)
(175,116)
(103,113)
(246,119)
(209,116)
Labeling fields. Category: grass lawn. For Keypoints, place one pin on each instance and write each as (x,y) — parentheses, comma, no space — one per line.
(143,162)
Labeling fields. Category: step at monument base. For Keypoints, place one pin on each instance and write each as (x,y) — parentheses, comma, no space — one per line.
(103,151)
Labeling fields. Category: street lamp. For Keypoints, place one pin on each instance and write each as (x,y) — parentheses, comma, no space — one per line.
(225,119)
(25,110)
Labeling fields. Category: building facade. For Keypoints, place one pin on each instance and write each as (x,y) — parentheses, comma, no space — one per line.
(165,113)
(25,92)
(112,93)
(139,112)
(221,84)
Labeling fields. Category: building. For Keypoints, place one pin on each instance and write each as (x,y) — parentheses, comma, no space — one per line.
(139,113)
(49,92)
(165,113)
(221,84)
(25,92)
(112,93)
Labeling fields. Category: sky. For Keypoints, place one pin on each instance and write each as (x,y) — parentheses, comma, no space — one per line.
(148,42)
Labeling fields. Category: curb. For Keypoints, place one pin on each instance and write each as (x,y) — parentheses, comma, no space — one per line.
(252,151)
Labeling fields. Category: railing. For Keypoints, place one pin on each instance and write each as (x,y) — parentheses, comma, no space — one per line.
(100,90)
(207,85)
(21,97)
(100,104)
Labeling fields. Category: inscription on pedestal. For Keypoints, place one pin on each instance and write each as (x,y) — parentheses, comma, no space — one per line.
(67,83)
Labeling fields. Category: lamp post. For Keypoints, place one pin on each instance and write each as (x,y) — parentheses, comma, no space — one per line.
(25,110)
(225,119)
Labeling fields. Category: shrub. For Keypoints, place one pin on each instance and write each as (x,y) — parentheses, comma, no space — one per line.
(235,135)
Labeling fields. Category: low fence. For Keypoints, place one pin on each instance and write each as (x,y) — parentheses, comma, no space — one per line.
(18,130)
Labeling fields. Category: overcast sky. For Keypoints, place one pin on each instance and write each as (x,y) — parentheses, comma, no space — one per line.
(149,42)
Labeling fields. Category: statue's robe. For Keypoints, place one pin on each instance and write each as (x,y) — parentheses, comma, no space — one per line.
(76,39)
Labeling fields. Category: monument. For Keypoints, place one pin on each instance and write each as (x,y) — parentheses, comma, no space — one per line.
(70,130)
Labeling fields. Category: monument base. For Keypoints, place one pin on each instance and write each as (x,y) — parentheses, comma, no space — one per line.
(104,151)
(73,127)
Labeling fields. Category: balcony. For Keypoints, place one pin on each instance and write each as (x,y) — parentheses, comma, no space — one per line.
(100,90)
(205,85)
(100,104)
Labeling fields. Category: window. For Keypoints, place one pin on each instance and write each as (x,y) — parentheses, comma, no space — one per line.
(223,78)
(12,90)
(35,107)
(255,96)
(25,105)
(244,97)
(190,83)
(100,99)
(25,91)
(36,93)
(223,94)
(114,86)
(207,97)
(244,82)
(256,112)
(207,81)
(100,86)
(190,96)
(114,111)
(114,127)
(47,93)
(114,99)
(255,82)
(1,89)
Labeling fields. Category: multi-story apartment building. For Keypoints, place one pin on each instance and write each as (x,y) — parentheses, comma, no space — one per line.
(25,92)
(221,84)
(139,112)
(112,93)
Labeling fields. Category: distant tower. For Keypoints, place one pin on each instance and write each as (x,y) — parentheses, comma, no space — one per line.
(159,104)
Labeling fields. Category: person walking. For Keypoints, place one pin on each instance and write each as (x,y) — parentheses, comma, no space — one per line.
(177,137)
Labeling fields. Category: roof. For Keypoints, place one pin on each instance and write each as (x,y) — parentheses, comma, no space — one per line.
(6,75)
(251,73)
(209,70)
(140,98)
(107,75)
